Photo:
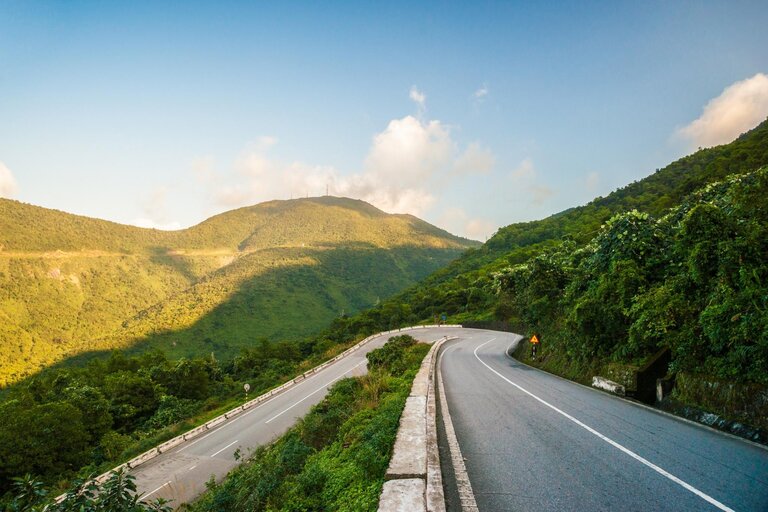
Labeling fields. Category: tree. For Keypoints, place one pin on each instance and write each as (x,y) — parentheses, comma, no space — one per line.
(48,440)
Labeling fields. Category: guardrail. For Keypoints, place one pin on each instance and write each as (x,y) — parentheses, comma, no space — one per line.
(191,434)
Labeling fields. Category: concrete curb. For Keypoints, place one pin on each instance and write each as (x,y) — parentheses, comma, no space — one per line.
(413,480)
(215,422)
(463,485)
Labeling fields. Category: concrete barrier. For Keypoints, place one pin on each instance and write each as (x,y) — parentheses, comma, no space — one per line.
(154,452)
(608,385)
(413,478)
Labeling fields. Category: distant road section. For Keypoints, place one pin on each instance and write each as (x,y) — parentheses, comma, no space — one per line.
(535,442)
(180,473)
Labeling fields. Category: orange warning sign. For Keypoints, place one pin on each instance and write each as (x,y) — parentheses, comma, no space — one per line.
(534,339)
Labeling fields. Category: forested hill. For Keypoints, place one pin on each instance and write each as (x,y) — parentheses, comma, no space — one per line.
(654,194)
(280,269)
(676,260)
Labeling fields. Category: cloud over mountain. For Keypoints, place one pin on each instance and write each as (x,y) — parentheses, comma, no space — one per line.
(741,106)
(407,164)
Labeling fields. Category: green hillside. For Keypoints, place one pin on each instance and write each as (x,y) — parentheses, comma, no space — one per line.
(663,189)
(72,284)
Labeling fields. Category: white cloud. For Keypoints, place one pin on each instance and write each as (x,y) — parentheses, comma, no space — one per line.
(404,165)
(479,229)
(418,97)
(456,220)
(475,160)
(8,186)
(740,107)
(407,166)
(481,93)
(156,212)
(525,170)
(525,177)
(204,169)
(410,150)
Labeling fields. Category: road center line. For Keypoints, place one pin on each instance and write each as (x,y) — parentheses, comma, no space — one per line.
(230,444)
(610,441)
(153,492)
(315,391)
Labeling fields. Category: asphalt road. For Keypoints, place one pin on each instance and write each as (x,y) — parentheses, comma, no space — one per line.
(180,473)
(533,441)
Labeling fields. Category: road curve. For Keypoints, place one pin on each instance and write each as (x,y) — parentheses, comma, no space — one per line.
(532,441)
(180,473)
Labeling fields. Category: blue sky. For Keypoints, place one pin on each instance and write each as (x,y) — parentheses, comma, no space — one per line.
(469,115)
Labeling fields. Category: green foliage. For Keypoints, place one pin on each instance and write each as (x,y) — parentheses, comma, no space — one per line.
(334,458)
(117,494)
(46,439)
(693,281)
(392,356)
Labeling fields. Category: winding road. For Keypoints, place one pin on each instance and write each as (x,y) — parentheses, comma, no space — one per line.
(180,473)
(535,442)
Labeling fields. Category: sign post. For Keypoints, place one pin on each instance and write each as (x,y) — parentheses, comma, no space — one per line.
(247,388)
(534,345)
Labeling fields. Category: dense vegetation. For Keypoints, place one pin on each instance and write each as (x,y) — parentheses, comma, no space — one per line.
(282,269)
(334,458)
(693,280)
(117,494)
(67,423)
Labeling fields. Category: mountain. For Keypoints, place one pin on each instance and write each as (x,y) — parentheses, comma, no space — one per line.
(282,269)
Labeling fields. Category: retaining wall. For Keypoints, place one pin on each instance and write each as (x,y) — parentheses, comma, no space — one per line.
(413,479)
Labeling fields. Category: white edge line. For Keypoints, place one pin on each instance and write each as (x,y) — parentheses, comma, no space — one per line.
(647,407)
(230,444)
(325,386)
(610,441)
(153,492)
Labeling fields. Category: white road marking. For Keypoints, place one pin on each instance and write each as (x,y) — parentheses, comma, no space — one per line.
(315,391)
(610,441)
(193,467)
(230,444)
(253,409)
(153,492)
